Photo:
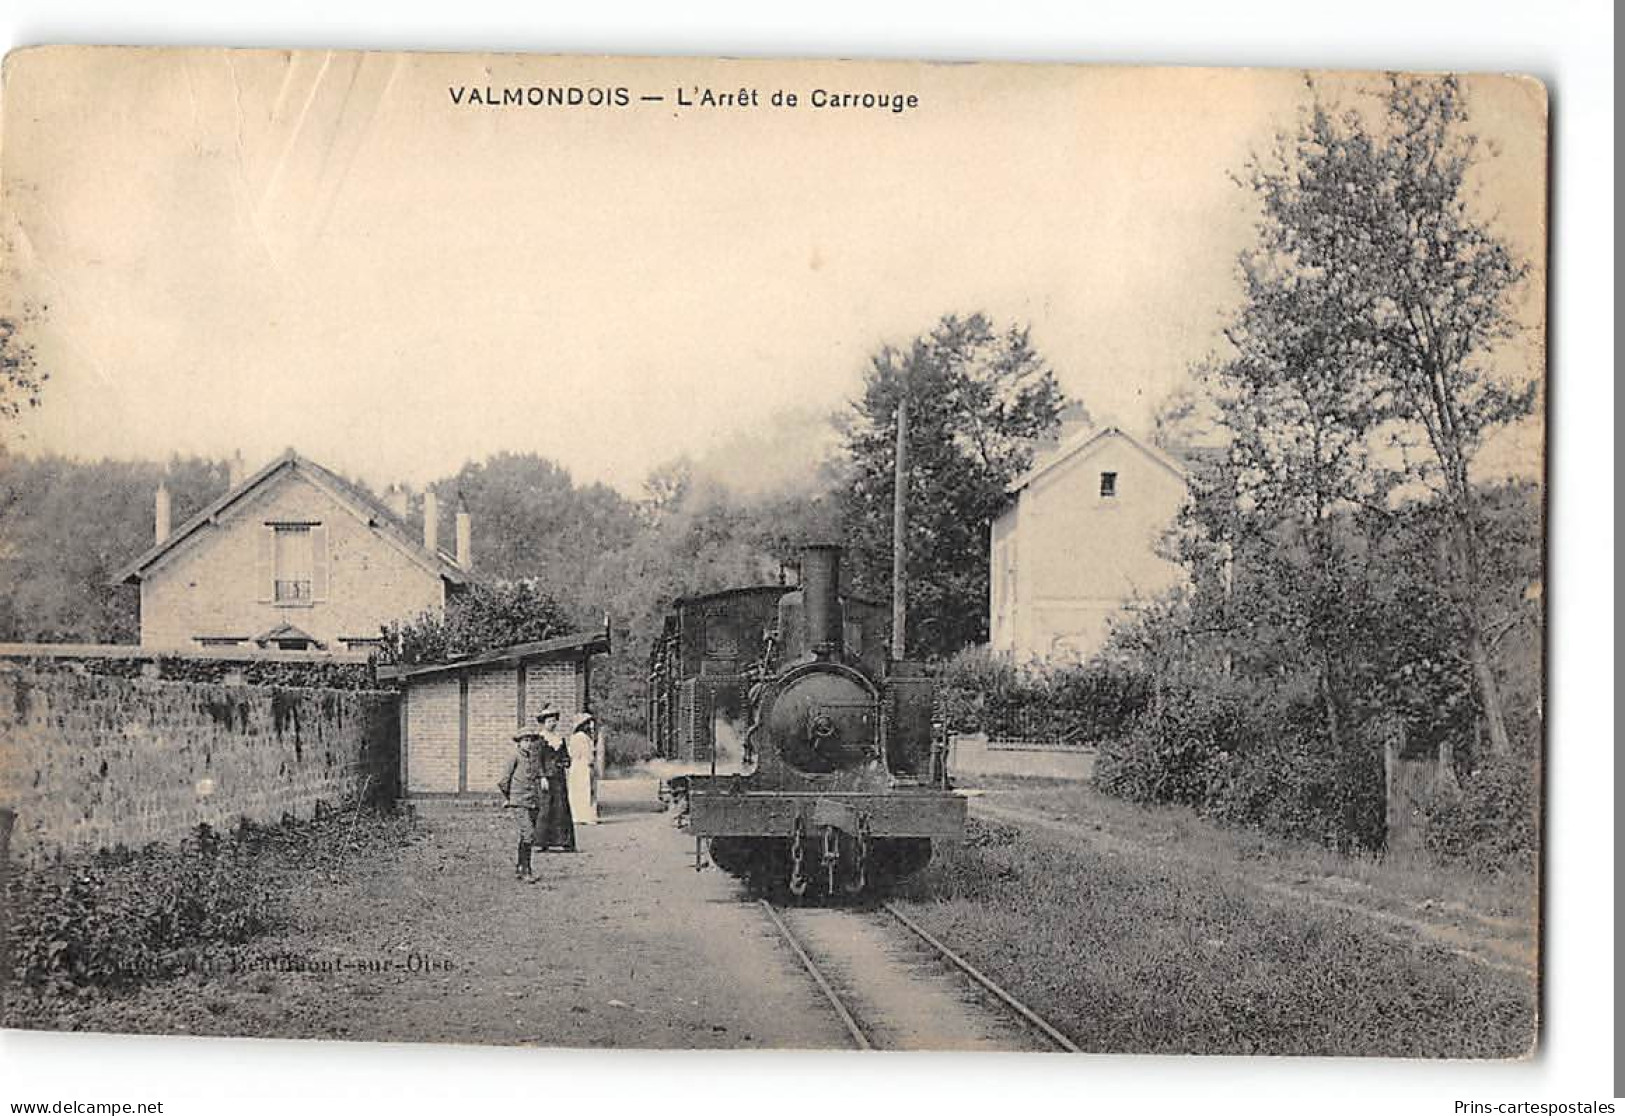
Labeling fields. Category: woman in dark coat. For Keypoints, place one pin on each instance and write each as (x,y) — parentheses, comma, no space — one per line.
(555,828)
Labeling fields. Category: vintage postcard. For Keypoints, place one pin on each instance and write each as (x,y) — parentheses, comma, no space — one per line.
(670,552)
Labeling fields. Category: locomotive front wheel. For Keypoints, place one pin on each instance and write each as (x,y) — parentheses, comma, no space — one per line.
(764,863)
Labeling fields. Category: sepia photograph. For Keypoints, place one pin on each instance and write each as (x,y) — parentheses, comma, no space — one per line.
(685,553)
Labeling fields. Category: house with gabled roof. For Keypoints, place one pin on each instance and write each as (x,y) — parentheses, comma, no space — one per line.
(1076,549)
(294,558)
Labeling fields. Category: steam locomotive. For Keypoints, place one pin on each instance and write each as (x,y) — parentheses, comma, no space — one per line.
(840,784)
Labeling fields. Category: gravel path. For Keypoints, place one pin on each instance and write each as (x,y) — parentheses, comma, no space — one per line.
(622,944)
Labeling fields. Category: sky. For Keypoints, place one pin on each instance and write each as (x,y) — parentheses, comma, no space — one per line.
(245,251)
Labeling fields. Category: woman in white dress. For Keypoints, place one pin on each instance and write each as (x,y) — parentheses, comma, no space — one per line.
(583,777)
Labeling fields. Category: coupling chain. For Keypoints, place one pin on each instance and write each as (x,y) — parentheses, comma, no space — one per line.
(798,882)
(860,877)
(832,855)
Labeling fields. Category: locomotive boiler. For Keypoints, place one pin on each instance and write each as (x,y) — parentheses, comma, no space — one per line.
(844,784)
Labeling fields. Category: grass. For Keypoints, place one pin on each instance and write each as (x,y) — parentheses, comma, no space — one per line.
(1406,879)
(102,926)
(1133,953)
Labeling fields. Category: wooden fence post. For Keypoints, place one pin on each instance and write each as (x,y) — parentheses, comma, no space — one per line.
(7,818)
(1446,780)
(1392,823)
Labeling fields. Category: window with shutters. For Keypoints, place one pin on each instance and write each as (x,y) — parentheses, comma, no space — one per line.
(1004,578)
(293,563)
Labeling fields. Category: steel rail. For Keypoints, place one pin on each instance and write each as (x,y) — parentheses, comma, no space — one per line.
(851,1024)
(1021,1009)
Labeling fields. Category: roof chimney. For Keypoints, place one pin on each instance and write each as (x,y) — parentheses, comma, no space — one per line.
(236,471)
(160,513)
(395,501)
(431,523)
(465,536)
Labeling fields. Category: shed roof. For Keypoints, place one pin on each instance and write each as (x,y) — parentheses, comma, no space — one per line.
(354,499)
(578,645)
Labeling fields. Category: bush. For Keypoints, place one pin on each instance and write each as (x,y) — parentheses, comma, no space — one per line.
(970,684)
(626,749)
(1178,751)
(185,668)
(1099,698)
(1494,823)
(1250,759)
(483,617)
(983,692)
(124,918)
(1291,783)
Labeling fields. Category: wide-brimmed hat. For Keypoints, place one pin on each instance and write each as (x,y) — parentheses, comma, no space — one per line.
(548,710)
(579,720)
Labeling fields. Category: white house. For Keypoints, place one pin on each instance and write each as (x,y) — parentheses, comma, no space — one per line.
(293,558)
(1076,547)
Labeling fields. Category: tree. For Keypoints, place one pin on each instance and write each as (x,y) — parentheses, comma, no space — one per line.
(1415,628)
(1338,577)
(21,379)
(531,521)
(67,527)
(1300,406)
(20,375)
(483,617)
(979,399)
(1371,225)
(667,488)
(700,536)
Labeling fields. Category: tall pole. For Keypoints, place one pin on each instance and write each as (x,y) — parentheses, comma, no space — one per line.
(899,536)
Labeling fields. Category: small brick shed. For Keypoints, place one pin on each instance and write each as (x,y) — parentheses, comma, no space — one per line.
(458,719)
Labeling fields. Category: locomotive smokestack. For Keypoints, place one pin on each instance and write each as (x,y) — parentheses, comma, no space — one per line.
(821,598)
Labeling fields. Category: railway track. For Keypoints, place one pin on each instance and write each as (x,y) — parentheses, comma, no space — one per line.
(895,992)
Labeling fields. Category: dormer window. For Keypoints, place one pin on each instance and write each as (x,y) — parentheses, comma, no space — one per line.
(1108,486)
(286,637)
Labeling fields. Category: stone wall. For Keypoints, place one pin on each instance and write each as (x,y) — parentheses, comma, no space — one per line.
(95,762)
(971,754)
(236,666)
